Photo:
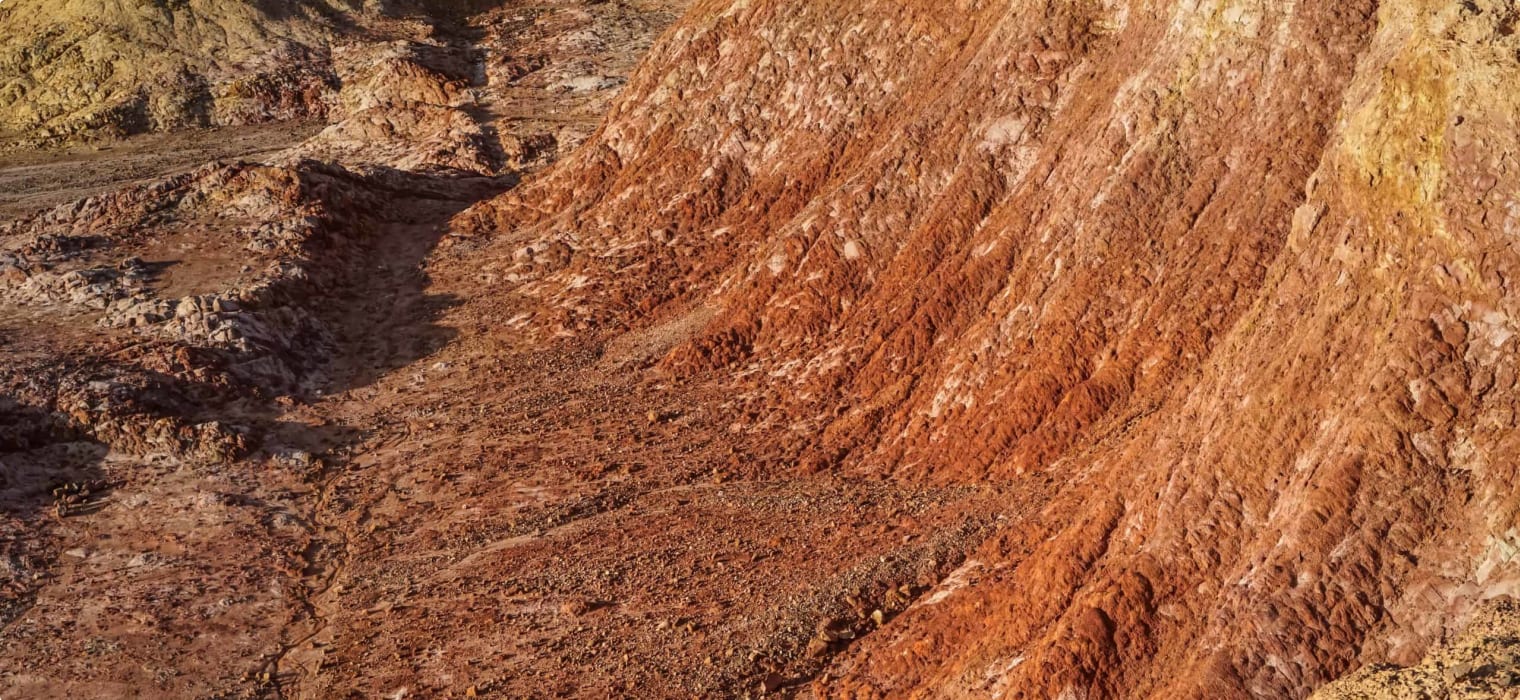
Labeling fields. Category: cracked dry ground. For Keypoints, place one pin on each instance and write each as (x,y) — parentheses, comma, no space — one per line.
(565,522)
(469,512)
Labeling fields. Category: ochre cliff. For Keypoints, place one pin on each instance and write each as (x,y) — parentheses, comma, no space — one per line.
(1233,280)
(111,67)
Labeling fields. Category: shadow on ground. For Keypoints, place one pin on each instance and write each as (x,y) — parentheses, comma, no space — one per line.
(383,316)
(48,471)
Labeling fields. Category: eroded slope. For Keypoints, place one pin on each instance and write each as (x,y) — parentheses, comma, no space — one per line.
(883,349)
(98,68)
(1236,278)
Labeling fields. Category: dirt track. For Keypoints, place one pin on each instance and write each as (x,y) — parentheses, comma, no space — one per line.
(31,181)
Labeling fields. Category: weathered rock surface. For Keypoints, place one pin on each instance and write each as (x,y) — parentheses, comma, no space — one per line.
(1236,280)
(873,349)
(98,67)
(1479,662)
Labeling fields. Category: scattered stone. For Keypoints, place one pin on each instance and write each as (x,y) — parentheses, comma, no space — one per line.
(771,683)
(1458,671)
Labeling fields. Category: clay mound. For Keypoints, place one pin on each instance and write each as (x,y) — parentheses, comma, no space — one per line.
(204,283)
(1235,280)
(407,105)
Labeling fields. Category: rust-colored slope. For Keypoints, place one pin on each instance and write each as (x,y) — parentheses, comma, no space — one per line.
(1235,277)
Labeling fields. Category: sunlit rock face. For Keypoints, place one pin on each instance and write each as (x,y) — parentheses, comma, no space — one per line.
(1229,283)
(92,68)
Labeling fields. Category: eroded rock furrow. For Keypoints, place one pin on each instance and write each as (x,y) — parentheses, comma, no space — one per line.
(744,348)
